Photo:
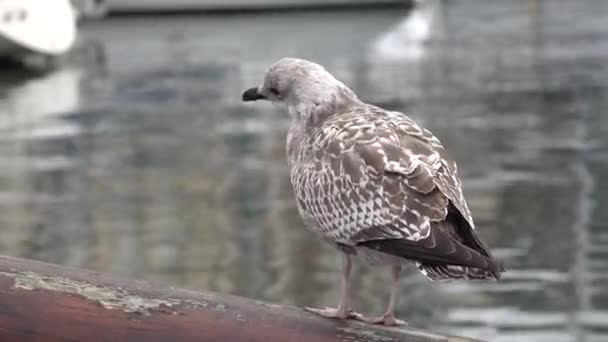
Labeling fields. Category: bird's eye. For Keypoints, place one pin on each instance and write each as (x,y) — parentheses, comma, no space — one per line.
(274,91)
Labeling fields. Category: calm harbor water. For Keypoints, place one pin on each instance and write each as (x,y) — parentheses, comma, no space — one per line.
(144,162)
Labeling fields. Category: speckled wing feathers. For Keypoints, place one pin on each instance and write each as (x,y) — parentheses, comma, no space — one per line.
(372,175)
(369,168)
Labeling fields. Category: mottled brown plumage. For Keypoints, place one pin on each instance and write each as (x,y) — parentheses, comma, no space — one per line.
(372,181)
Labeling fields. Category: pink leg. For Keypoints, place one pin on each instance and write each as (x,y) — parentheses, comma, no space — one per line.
(344,309)
(389,316)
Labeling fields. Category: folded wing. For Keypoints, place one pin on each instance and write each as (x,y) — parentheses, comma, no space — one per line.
(419,209)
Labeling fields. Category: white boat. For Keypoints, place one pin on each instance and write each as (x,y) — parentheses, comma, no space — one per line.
(45,27)
(208,5)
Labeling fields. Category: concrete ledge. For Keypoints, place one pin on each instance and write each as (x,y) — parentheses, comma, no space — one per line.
(45,302)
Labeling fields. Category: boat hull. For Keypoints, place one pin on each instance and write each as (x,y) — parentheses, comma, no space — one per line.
(43,27)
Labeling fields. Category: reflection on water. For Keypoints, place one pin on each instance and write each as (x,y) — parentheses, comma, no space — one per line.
(150,166)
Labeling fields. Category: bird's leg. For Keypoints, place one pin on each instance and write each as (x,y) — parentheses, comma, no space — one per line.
(343,310)
(389,316)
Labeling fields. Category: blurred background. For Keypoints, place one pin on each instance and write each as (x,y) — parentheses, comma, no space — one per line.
(126,147)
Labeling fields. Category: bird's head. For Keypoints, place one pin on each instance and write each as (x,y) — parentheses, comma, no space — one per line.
(303,87)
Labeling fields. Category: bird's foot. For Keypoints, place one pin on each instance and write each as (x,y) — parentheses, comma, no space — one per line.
(388,320)
(333,313)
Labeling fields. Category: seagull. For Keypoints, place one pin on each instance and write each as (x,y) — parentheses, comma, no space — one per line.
(372,183)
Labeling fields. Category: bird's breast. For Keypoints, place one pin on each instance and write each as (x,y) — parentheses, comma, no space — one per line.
(335,205)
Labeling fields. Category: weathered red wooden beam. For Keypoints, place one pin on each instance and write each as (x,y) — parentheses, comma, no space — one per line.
(45,302)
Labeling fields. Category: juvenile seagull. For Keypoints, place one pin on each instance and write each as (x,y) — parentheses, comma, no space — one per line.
(372,183)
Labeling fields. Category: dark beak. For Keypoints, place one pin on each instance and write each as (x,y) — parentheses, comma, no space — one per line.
(252,95)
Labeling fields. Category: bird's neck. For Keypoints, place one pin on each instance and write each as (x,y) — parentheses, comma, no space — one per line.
(311,112)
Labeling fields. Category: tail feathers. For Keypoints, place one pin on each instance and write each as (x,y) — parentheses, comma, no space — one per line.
(442,272)
(438,250)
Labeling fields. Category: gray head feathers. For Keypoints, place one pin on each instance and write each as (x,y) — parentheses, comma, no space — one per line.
(306,88)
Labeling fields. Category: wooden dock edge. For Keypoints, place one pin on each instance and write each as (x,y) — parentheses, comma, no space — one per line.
(46,302)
